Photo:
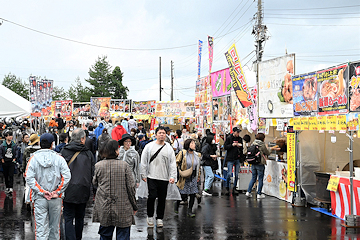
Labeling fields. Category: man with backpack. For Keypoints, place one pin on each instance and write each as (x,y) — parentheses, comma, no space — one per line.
(258,148)
(234,156)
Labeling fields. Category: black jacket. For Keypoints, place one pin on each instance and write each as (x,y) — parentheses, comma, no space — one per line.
(82,172)
(233,153)
(3,149)
(206,151)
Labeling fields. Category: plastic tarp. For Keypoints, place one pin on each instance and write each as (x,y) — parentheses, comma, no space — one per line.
(13,105)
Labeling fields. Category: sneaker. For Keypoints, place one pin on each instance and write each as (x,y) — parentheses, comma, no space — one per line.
(190,213)
(260,196)
(10,190)
(206,193)
(183,202)
(150,221)
(248,194)
(7,190)
(234,192)
(159,223)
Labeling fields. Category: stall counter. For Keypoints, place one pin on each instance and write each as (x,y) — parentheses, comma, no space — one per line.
(275,180)
(340,200)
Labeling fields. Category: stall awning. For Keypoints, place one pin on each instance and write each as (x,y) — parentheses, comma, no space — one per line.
(13,105)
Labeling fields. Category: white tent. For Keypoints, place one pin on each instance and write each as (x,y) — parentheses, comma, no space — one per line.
(13,105)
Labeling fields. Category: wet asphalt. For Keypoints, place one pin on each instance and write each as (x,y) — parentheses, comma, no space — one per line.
(217,217)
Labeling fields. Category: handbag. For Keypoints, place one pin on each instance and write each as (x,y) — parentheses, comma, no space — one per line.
(186,173)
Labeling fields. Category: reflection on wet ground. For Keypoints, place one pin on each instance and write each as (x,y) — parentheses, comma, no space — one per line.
(217,217)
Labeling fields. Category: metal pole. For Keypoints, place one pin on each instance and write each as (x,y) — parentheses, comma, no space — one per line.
(350,219)
(172,83)
(159,78)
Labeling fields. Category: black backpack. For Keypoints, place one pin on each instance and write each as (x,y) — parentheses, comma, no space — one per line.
(253,155)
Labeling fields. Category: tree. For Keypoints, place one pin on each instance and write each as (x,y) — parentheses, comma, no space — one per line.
(104,82)
(16,85)
(79,93)
(59,93)
(117,90)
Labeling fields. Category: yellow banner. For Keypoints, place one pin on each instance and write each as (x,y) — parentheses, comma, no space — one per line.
(333,183)
(321,122)
(313,124)
(330,123)
(291,161)
(304,121)
(297,124)
(341,123)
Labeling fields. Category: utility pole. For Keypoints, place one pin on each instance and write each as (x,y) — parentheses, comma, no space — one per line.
(159,78)
(259,31)
(172,83)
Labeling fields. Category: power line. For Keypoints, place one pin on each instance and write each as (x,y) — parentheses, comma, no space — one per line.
(313,25)
(313,18)
(312,14)
(306,9)
(228,17)
(95,45)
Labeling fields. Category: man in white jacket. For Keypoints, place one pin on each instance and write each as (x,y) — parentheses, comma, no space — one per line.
(48,176)
(158,168)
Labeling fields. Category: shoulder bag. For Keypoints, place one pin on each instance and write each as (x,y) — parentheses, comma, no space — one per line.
(73,158)
(186,173)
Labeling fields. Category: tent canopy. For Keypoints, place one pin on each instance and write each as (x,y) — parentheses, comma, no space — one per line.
(13,105)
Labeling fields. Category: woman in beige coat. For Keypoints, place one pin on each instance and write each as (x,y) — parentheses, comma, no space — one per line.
(115,203)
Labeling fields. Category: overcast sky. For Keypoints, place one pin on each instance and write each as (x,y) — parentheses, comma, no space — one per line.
(320,36)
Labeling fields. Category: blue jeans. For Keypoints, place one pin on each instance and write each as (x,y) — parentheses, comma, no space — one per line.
(230,165)
(209,177)
(107,232)
(257,171)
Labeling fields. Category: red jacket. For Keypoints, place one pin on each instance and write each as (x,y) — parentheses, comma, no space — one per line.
(117,132)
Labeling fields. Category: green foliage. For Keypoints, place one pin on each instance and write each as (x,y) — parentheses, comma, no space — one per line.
(59,93)
(104,82)
(79,93)
(16,85)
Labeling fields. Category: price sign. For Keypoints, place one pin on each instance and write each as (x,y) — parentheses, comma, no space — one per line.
(313,124)
(333,183)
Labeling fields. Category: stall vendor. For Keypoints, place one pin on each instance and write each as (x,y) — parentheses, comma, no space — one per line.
(280,147)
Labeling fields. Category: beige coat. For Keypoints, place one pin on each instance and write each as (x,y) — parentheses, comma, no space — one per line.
(182,154)
(115,197)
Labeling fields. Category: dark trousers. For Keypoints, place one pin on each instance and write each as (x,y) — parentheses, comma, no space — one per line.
(8,170)
(71,211)
(107,232)
(157,189)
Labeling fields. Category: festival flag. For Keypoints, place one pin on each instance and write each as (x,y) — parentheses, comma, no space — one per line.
(199,57)
(211,51)
(238,78)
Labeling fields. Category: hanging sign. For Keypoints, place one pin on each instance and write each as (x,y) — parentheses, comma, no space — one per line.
(330,123)
(304,122)
(341,123)
(291,160)
(333,183)
(313,124)
(321,122)
(297,124)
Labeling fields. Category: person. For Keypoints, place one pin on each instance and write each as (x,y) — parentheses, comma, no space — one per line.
(90,143)
(133,132)
(187,159)
(168,130)
(98,131)
(157,173)
(48,176)
(8,150)
(197,142)
(258,170)
(78,192)
(53,123)
(234,156)
(118,131)
(34,145)
(104,137)
(178,142)
(128,154)
(60,123)
(209,159)
(63,141)
(246,143)
(125,124)
(115,203)
(132,123)
(23,145)
(140,129)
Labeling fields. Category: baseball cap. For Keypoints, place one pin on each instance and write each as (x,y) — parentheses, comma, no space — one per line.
(236,129)
(48,137)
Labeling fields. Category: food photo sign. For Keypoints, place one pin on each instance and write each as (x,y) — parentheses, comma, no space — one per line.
(354,86)
(332,83)
(305,94)
(275,87)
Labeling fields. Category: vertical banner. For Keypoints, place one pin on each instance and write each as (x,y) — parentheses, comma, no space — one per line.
(33,85)
(291,160)
(199,57)
(238,78)
(211,51)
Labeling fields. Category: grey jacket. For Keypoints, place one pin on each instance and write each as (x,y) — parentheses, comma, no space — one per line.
(47,171)
(263,150)
(132,158)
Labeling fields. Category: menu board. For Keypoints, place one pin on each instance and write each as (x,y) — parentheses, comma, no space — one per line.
(333,90)
(354,86)
(143,107)
(305,94)
(221,107)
